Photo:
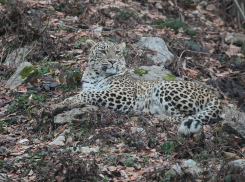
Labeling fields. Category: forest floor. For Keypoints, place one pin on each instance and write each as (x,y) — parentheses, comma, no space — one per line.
(55,33)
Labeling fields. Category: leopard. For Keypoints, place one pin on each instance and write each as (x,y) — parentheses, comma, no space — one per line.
(107,83)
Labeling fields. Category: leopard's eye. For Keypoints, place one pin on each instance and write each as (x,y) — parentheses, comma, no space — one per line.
(117,52)
(103,51)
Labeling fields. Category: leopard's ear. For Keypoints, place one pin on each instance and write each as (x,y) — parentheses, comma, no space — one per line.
(89,43)
(122,46)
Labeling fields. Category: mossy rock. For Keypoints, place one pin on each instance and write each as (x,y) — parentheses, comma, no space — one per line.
(140,72)
(28,71)
(170,77)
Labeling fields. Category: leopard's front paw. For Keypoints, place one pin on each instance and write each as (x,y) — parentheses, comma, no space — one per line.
(190,126)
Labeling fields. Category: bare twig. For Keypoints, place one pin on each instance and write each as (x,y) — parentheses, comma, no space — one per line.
(4,48)
(29,51)
(240,10)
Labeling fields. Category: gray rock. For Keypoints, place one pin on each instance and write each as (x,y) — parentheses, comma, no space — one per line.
(158,45)
(65,132)
(16,57)
(16,80)
(77,112)
(159,5)
(137,130)
(154,73)
(196,1)
(211,7)
(240,163)
(188,166)
(202,18)
(51,8)
(123,174)
(4,130)
(3,149)
(234,122)
(85,150)
(235,38)
(209,23)
(195,12)
(23,141)
(58,141)
(3,177)
(203,4)
(99,30)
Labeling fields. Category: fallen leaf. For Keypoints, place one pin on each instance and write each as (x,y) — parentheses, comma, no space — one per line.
(58,178)
(192,72)
(63,128)
(233,50)
(83,34)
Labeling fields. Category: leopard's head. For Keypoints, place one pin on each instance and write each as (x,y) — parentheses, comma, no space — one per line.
(106,57)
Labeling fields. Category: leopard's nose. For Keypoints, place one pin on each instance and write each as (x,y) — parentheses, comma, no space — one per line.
(112,61)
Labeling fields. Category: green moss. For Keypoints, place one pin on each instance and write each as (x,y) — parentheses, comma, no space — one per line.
(28,71)
(170,77)
(140,71)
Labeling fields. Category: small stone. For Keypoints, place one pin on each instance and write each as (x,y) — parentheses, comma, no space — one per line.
(65,132)
(209,23)
(150,28)
(69,139)
(210,7)
(203,4)
(58,141)
(95,149)
(23,141)
(190,16)
(134,119)
(99,29)
(97,141)
(4,130)
(30,87)
(195,12)
(137,130)
(75,149)
(51,8)
(75,18)
(190,166)
(123,174)
(85,150)
(202,18)
(3,149)
(36,141)
(159,5)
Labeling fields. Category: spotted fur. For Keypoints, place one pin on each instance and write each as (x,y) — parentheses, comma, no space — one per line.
(107,83)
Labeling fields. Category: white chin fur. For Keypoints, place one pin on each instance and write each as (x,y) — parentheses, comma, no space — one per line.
(111,71)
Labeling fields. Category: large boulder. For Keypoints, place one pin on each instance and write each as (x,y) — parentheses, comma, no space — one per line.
(189,166)
(157,44)
(16,80)
(154,73)
(77,112)
(234,122)
(16,57)
(240,163)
